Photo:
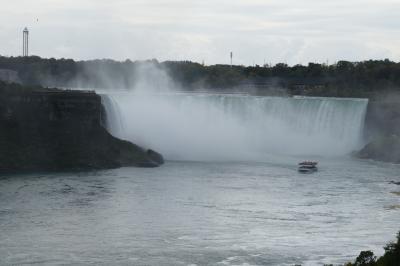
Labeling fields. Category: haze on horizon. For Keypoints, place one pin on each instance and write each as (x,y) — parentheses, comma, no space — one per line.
(256,31)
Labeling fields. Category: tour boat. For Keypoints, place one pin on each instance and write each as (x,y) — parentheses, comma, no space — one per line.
(307,167)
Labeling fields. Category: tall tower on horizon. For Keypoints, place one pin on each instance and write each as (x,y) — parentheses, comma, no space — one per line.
(25,42)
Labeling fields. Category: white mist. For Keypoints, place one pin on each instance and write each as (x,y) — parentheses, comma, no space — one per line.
(236,127)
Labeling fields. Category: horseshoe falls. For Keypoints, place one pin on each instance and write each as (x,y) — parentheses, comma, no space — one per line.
(224,127)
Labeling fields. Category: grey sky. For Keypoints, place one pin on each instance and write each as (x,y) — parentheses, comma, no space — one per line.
(292,31)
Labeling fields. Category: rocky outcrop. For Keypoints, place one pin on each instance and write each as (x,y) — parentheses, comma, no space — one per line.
(155,156)
(383,118)
(384,148)
(50,129)
(382,129)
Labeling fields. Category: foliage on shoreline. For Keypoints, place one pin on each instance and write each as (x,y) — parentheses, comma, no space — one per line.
(390,258)
(342,79)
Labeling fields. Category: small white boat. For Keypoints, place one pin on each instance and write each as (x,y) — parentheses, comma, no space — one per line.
(307,167)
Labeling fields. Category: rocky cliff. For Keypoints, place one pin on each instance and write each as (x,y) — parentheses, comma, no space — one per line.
(51,129)
(384,148)
(383,118)
(382,130)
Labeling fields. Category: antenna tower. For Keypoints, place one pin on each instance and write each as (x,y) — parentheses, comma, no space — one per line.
(25,42)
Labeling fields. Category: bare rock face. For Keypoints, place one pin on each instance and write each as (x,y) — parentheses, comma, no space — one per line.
(58,130)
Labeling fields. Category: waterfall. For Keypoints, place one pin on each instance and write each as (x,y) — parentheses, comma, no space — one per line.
(113,116)
(236,127)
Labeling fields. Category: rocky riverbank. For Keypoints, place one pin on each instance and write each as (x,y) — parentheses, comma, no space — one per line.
(58,130)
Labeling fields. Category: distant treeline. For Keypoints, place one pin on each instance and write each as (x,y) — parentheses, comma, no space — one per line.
(343,79)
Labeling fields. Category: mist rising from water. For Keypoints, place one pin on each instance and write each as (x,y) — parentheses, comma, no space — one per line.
(184,126)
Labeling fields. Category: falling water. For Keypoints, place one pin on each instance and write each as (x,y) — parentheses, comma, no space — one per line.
(236,127)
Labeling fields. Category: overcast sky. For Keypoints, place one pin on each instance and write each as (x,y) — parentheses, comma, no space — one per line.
(291,31)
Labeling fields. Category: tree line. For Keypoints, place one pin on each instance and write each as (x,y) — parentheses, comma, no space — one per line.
(342,79)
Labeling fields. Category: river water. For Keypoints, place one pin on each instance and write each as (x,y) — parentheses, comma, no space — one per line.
(200,213)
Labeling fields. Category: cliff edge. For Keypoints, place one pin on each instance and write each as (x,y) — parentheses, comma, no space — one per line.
(57,130)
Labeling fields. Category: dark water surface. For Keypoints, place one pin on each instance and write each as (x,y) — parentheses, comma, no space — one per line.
(188,213)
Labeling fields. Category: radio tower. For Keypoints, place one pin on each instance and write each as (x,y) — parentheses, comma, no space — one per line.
(25,42)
